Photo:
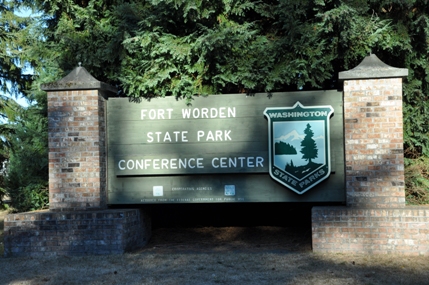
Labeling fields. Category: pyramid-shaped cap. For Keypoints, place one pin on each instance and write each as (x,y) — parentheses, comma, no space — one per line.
(372,67)
(78,79)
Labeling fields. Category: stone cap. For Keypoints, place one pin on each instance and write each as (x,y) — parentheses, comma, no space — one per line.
(78,79)
(372,67)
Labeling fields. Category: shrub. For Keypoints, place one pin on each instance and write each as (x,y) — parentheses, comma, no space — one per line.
(417,181)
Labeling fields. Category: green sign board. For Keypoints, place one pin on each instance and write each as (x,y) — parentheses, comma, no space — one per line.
(226,148)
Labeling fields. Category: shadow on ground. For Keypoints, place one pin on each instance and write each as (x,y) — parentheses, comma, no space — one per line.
(230,254)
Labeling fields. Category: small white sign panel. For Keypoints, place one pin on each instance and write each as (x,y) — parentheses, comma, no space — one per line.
(158,191)
(229,190)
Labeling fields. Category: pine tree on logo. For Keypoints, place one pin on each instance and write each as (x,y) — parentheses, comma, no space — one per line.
(308,145)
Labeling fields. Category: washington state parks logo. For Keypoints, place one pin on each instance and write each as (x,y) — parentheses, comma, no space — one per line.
(299,155)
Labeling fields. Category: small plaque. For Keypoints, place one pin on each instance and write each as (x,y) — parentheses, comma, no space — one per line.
(229,190)
(158,191)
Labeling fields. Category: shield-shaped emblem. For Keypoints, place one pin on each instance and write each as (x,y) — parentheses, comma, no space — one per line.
(299,156)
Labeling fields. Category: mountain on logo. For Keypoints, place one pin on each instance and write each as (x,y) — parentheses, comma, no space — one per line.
(291,136)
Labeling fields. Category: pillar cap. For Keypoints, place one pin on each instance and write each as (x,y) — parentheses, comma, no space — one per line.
(372,67)
(78,79)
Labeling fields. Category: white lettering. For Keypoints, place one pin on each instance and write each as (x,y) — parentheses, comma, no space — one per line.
(210,136)
(200,162)
(222,112)
(173,163)
(167,137)
(147,163)
(223,162)
(186,113)
(150,137)
(241,160)
(156,114)
(233,162)
(143,114)
(213,162)
(227,137)
(200,134)
(250,161)
(259,161)
(164,163)
(130,164)
(156,163)
(139,164)
(205,113)
(182,163)
(152,114)
(231,112)
(189,164)
(218,135)
(213,112)
(238,162)
(298,114)
(196,113)
(184,138)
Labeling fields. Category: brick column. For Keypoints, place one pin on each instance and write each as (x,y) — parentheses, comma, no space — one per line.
(375,219)
(77,149)
(77,182)
(374,142)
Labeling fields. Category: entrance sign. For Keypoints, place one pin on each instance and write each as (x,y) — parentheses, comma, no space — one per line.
(216,149)
(299,145)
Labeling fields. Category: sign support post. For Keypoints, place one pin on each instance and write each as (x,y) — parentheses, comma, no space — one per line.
(78,221)
(375,219)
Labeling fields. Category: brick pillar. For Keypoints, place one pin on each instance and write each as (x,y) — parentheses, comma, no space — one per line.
(77,149)
(77,182)
(374,142)
(375,219)
(374,134)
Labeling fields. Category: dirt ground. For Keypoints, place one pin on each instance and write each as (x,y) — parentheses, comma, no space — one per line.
(219,255)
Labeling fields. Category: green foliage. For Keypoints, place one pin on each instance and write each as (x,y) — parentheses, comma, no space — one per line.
(417,181)
(29,198)
(25,179)
(188,48)
(12,77)
(3,193)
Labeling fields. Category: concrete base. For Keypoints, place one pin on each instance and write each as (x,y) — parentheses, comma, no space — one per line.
(360,230)
(45,233)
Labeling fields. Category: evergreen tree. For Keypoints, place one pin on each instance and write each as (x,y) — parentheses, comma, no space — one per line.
(188,48)
(13,78)
(25,149)
(308,145)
